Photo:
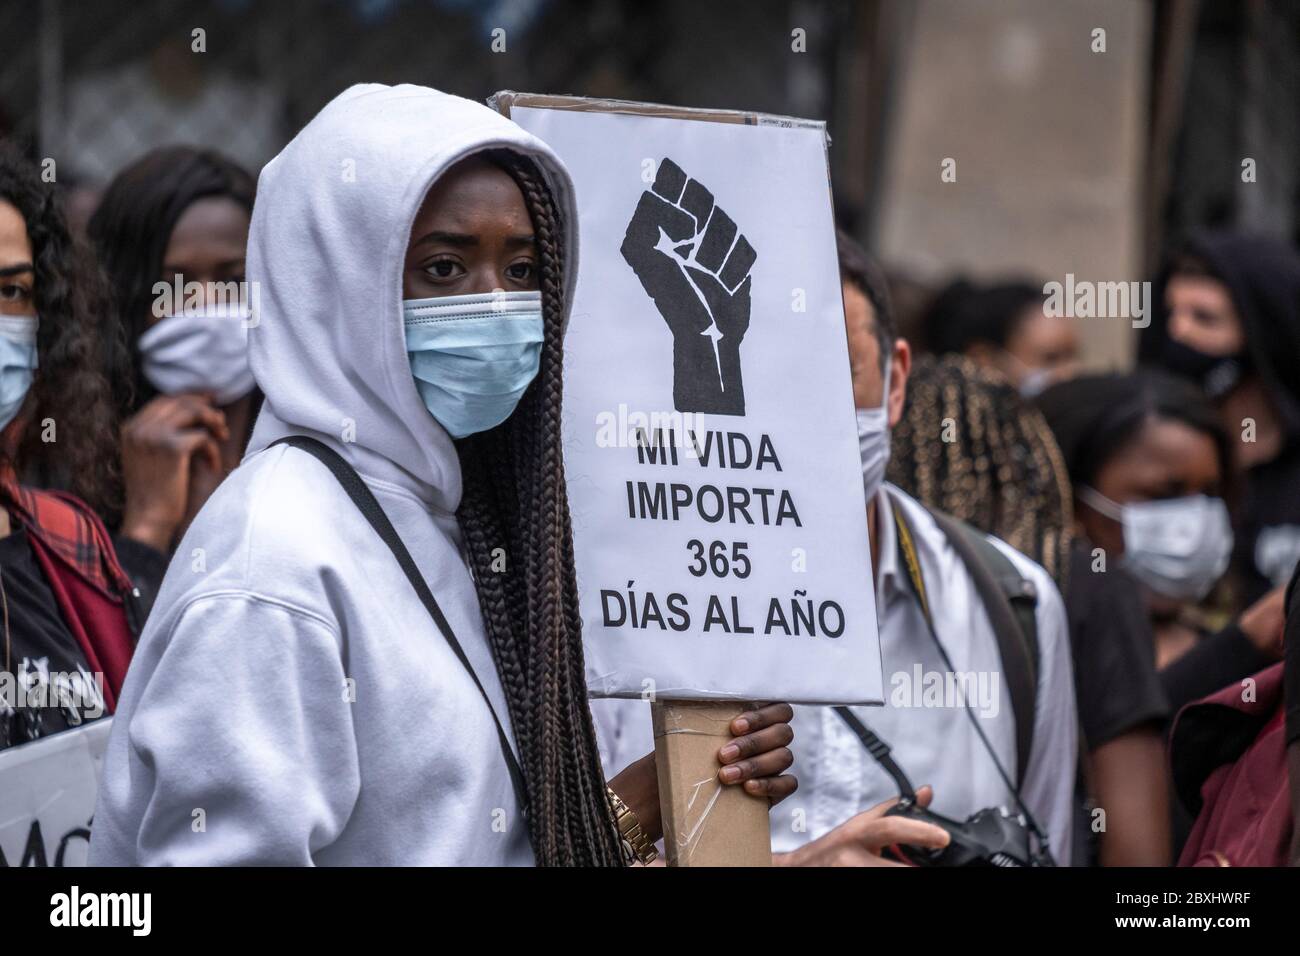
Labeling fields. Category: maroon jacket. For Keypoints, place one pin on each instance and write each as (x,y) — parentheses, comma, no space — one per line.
(1229,764)
(94,594)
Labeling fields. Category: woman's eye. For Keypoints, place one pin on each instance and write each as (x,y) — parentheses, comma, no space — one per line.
(1207,319)
(13,293)
(444,269)
(520,271)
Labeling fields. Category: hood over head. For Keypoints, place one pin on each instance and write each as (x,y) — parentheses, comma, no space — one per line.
(1263,277)
(326,252)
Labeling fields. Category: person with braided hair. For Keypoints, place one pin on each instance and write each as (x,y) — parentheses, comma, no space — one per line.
(968,445)
(367,647)
(1004,327)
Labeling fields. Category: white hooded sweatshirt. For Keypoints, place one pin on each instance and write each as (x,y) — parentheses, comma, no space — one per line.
(291,701)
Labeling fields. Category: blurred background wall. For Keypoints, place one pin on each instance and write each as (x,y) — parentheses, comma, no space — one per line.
(1068,158)
(1045,138)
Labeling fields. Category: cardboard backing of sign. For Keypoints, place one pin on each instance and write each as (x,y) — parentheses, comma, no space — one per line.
(505,100)
(705,822)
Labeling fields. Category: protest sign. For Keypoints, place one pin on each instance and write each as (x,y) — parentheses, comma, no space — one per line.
(710,442)
(47,796)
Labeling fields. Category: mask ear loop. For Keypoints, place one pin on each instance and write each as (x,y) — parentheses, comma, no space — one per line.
(884,395)
(1100,503)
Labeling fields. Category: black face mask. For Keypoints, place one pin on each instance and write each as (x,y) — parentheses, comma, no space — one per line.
(1216,374)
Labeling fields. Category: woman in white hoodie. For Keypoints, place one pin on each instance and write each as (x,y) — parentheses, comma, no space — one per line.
(292,699)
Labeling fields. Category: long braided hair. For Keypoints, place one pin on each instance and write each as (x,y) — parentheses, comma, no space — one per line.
(969,445)
(514,499)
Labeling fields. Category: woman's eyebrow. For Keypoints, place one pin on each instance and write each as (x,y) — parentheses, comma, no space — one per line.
(15,270)
(517,241)
(450,238)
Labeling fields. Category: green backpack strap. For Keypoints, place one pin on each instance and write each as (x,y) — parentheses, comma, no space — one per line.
(1011,601)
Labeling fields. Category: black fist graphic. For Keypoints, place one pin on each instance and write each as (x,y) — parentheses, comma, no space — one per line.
(690,259)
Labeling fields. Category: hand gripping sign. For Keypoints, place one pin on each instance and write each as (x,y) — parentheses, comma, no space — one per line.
(713,472)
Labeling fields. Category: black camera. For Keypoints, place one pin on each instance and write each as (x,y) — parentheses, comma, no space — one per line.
(992,837)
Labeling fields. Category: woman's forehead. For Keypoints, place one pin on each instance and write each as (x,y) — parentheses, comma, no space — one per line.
(15,244)
(473,195)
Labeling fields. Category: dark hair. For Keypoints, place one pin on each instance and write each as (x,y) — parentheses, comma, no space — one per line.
(964,314)
(859,270)
(1189,264)
(1095,417)
(1261,275)
(515,499)
(967,444)
(132,227)
(69,386)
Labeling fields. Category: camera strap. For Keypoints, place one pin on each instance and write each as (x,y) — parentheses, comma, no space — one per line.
(373,512)
(1005,628)
(879,750)
(1009,600)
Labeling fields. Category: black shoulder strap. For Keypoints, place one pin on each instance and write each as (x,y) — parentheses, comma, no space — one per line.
(880,751)
(1009,600)
(371,510)
(1015,587)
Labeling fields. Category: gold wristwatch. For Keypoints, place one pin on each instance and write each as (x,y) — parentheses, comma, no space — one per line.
(637,847)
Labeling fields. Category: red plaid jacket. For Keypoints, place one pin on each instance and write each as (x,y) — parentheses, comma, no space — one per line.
(94,594)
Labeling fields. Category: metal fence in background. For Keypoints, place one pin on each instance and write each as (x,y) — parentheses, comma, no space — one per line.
(94,85)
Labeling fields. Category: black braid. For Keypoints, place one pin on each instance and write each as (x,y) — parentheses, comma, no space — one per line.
(515,499)
(996,466)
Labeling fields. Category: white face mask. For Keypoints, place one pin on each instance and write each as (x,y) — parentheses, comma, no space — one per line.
(204,351)
(873,440)
(1178,547)
(1035,382)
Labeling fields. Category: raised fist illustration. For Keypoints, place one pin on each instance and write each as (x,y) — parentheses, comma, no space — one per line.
(691,260)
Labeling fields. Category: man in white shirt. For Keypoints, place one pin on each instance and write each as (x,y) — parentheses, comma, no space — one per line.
(924,719)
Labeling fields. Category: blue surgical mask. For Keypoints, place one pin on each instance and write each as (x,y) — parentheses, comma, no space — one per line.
(473,355)
(17,362)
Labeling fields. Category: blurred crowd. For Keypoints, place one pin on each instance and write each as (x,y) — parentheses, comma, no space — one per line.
(1160,502)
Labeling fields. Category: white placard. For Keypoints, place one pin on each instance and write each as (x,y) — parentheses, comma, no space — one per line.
(710,441)
(47,796)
